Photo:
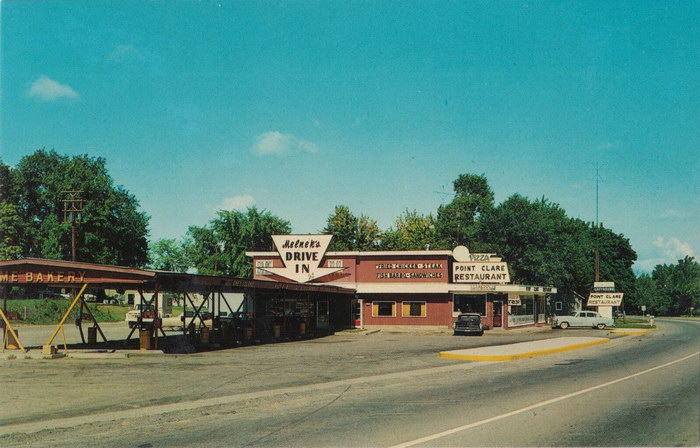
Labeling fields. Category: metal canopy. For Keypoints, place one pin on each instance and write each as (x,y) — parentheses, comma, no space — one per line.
(35,272)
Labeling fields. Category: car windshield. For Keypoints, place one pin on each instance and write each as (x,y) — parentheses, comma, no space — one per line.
(471,319)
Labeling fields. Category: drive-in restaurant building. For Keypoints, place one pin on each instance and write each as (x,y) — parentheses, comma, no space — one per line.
(428,288)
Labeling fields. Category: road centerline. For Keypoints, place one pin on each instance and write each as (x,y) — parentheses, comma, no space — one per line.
(536,405)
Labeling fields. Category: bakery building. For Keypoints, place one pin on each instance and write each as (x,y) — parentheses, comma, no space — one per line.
(428,288)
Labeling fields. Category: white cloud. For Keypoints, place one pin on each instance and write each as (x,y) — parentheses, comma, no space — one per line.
(649,264)
(237,203)
(277,143)
(673,249)
(607,145)
(125,52)
(668,251)
(675,213)
(48,89)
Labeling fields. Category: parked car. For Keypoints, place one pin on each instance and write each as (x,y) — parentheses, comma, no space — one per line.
(583,319)
(178,322)
(468,323)
(619,314)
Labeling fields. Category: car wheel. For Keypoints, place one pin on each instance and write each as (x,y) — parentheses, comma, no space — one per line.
(600,326)
(564,325)
(481,333)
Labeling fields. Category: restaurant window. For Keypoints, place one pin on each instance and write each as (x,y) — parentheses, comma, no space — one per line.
(558,306)
(335,263)
(383,309)
(526,307)
(470,303)
(414,309)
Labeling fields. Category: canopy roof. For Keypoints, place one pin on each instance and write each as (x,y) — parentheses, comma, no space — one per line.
(59,273)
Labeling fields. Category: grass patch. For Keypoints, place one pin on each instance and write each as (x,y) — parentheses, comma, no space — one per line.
(633,324)
(50,311)
(117,312)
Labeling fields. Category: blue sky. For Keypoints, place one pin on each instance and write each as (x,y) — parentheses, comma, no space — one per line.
(296,107)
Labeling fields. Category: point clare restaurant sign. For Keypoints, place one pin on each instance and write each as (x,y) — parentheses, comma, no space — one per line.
(478,268)
(605,299)
(480,272)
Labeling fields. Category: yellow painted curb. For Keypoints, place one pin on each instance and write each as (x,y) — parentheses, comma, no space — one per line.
(631,331)
(523,355)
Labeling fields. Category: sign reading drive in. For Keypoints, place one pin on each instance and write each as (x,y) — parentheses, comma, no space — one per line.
(302,256)
(605,299)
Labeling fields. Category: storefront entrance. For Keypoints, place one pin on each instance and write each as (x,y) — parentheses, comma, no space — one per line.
(497,313)
(322,314)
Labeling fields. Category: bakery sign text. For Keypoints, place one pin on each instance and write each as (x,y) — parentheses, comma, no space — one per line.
(42,277)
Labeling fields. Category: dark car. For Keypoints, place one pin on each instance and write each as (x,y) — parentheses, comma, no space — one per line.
(468,323)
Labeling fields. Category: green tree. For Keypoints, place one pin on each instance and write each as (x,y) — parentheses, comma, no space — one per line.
(10,221)
(202,250)
(411,231)
(168,255)
(350,232)
(544,246)
(220,247)
(367,233)
(342,224)
(457,223)
(616,258)
(112,229)
(541,245)
(644,294)
(677,287)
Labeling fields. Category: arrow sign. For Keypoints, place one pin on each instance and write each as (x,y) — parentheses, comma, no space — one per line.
(302,256)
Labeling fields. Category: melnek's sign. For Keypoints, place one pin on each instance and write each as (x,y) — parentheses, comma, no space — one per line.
(302,256)
(605,299)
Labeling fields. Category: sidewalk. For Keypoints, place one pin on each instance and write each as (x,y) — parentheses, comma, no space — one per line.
(511,352)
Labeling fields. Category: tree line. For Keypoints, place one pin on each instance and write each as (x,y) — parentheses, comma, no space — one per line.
(542,245)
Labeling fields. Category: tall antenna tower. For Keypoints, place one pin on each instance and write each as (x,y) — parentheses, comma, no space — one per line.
(443,194)
(73,214)
(597,223)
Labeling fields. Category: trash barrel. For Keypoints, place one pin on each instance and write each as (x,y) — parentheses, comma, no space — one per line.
(302,327)
(145,339)
(92,335)
(204,335)
(248,333)
(276,330)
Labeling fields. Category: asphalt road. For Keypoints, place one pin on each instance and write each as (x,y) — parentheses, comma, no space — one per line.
(388,390)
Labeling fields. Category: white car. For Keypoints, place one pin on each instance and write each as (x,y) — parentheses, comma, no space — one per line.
(583,319)
(178,322)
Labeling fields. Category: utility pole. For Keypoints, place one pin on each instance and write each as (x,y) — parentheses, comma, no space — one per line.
(597,226)
(73,213)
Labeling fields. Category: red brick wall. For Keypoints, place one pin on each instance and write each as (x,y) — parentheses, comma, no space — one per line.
(413,269)
(438,309)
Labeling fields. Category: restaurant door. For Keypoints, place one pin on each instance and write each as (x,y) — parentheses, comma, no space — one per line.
(497,313)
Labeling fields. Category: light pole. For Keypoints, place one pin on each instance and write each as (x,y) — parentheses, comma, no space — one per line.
(72,212)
